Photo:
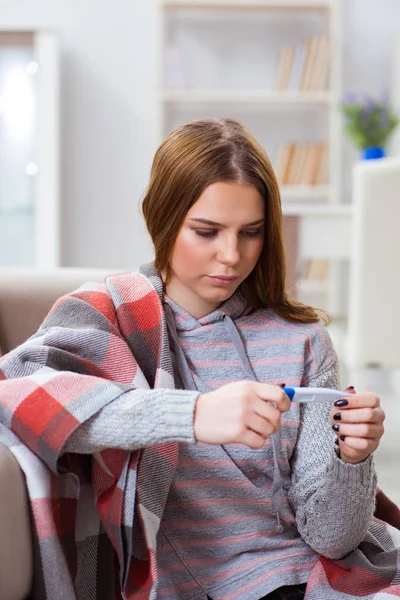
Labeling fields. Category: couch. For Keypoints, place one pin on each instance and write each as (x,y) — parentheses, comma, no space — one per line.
(26,296)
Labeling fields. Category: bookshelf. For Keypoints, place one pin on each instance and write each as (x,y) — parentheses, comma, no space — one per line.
(269,64)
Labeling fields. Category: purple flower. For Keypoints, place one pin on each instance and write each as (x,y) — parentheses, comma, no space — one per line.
(351,98)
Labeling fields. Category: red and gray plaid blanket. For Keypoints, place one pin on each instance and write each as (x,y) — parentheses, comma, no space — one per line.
(96,516)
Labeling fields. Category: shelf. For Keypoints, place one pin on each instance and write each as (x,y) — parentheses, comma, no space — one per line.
(317,210)
(300,193)
(263,97)
(323,226)
(249,5)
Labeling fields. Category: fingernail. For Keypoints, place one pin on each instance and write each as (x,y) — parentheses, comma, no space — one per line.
(341,403)
(350,387)
(337,417)
(342,437)
(282,385)
(335,427)
(336,442)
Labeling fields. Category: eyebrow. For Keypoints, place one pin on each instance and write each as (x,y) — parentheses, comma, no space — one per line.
(215,224)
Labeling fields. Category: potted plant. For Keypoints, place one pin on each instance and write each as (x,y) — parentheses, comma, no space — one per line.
(369,123)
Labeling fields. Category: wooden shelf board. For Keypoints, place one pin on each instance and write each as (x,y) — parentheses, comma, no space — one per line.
(317,210)
(265,97)
(300,193)
(243,5)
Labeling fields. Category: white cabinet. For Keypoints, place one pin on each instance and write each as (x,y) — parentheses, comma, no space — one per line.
(29,149)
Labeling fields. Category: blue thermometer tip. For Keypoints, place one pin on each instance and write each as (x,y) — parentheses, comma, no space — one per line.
(290,392)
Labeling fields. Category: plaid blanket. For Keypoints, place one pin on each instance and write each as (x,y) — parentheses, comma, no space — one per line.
(96,517)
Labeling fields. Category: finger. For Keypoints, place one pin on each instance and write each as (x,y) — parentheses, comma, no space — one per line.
(252,439)
(362,430)
(358,415)
(275,394)
(360,444)
(358,401)
(269,412)
(350,390)
(262,426)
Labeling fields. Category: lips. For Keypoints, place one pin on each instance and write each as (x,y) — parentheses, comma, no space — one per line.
(222,280)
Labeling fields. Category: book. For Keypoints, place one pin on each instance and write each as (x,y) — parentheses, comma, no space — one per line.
(300,166)
(320,176)
(316,269)
(311,53)
(306,62)
(319,73)
(293,166)
(284,69)
(290,231)
(297,68)
(311,165)
(283,166)
(279,161)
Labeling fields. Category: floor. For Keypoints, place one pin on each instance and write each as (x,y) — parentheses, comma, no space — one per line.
(386,384)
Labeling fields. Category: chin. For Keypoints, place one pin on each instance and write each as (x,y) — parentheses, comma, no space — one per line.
(221,295)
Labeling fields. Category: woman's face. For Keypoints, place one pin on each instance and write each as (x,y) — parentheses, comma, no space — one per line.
(217,247)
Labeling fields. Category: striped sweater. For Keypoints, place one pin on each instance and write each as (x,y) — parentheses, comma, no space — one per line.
(219,527)
(219,533)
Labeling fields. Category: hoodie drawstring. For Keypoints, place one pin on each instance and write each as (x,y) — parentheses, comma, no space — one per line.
(189,384)
(277,492)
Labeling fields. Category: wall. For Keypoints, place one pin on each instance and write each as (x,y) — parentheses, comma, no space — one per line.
(108,126)
(109,109)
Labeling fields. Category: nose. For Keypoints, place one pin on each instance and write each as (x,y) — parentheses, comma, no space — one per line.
(228,252)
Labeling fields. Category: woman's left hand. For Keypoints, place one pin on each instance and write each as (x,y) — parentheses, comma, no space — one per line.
(358,423)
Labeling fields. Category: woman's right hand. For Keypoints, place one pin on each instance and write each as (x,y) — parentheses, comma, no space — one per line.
(244,412)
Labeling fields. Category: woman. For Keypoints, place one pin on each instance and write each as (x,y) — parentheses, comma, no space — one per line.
(210,484)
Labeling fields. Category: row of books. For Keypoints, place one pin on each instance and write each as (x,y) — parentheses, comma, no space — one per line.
(305,67)
(316,269)
(301,68)
(301,164)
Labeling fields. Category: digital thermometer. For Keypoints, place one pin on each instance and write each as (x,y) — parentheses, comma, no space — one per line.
(319,395)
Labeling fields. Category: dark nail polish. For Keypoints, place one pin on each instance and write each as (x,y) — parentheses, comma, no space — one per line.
(337,417)
(342,437)
(335,427)
(336,442)
(341,403)
(282,385)
(350,387)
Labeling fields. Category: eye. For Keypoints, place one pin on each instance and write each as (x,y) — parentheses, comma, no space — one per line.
(206,233)
(253,233)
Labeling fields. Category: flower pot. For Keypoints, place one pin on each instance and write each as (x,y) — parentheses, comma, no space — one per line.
(372,153)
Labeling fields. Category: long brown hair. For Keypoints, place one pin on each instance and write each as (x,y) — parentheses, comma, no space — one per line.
(209,151)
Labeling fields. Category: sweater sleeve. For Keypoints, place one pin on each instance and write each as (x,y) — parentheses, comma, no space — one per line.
(137,419)
(78,369)
(333,501)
